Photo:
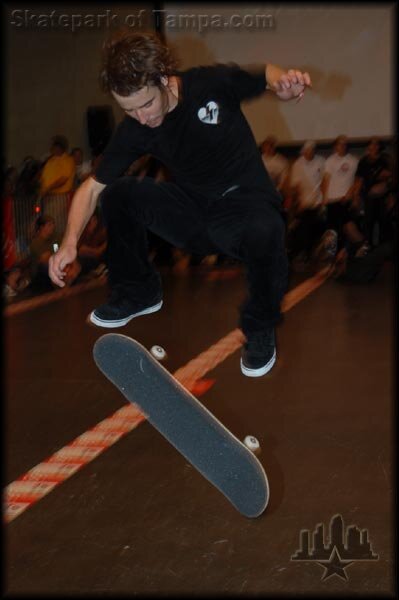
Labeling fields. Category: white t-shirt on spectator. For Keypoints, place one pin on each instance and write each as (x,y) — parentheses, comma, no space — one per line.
(277,167)
(308,175)
(342,171)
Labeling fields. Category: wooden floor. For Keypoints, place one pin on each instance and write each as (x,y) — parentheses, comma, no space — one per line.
(138,519)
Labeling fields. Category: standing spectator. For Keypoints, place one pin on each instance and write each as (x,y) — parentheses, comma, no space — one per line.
(306,180)
(26,199)
(28,178)
(276,165)
(83,168)
(339,187)
(374,177)
(57,183)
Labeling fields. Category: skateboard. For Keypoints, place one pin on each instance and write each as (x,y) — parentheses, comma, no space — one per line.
(188,425)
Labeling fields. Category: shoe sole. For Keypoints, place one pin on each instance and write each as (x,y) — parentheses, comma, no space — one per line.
(261,371)
(121,322)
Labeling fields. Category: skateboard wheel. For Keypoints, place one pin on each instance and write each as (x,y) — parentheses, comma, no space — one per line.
(252,443)
(158,352)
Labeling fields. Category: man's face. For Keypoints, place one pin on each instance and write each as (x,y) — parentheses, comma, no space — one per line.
(269,147)
(148,106)
(340,146)
(373,149)
(56,150)
(309,153)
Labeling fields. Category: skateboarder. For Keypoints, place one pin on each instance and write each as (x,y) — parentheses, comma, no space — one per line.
(221,199)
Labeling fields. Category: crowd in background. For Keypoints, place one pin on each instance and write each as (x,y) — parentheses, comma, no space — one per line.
(338,209)
(36,199)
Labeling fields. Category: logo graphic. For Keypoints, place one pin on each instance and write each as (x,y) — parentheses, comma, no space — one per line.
(209,113)
(343,548)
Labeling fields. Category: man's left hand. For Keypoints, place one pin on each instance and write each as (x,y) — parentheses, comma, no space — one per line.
(292,84)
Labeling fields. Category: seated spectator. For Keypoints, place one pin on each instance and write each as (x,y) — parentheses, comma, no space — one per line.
(339,187)
(92,244)
(307,175)
(391,217)
(10,284)
(82,168)
(8,238)
(353,240)
(276,165)
(343,217)
(374,179)
(15,278)
(56,181)
(41,248)
(359,264)
(15,281)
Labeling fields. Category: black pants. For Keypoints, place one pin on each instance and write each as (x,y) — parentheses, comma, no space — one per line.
(375,212)
(244,224)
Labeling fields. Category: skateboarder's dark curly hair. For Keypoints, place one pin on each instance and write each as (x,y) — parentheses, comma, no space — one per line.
(132,60)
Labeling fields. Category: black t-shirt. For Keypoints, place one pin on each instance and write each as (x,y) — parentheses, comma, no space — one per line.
(205,141)
(369,170)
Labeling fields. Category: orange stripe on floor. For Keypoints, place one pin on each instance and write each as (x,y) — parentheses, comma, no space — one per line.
(53,296)
(41,479)
(304,289)
(208,360)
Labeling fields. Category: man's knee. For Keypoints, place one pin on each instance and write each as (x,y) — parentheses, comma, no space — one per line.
(117,196)
(263,238)
(116,189)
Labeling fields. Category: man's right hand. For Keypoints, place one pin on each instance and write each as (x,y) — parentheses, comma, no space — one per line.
(57,263)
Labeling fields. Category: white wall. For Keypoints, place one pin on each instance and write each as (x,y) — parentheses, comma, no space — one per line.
(346,49)
(51,72)
(51,75)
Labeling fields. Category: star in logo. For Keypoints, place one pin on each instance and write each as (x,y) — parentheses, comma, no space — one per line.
(335,565)
(351,543)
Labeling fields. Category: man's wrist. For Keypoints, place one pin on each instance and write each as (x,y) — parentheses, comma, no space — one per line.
(272,75)
(71,241)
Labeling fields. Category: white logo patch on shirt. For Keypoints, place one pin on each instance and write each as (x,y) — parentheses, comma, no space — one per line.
(209,113)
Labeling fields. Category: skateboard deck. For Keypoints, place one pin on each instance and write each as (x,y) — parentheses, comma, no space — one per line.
(188,425)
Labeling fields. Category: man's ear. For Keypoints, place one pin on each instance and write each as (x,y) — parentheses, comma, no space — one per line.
(164,80)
